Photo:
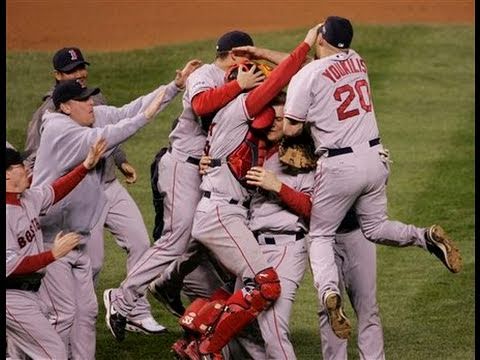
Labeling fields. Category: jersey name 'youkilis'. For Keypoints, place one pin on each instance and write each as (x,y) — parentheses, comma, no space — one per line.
(344,67)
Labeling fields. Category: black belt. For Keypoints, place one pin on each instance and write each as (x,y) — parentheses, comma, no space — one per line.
(29,282)
(346,150)
(208,194)
(215,162)
(270,240)
(190,159)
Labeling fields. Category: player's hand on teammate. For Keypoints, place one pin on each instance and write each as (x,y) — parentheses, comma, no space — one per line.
(154,106)
(265,179)
(204,164)
(129,172)
(182,75)
(250,52)
(249,79)
(95,153)
(312,35)
(64,243)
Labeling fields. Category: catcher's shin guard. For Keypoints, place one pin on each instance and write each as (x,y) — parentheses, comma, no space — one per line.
(241,309)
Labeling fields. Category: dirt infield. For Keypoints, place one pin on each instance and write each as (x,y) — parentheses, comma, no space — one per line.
(123,25)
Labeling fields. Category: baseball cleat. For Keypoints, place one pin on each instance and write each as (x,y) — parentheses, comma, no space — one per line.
(338,321)
(171,300)
(148,326)
(115,321)
(440,245)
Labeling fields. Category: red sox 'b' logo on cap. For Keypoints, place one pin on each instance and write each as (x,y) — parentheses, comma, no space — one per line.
(73,55)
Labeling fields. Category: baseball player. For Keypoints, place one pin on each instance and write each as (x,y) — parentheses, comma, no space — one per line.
(178,178)
(235,143)
(333,95)
(279,220)
(68,285)
(121,216)
(27,327)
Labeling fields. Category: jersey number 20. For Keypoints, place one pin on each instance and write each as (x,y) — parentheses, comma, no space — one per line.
(358,89)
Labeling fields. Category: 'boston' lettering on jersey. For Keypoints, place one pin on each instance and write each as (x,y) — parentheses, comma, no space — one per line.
(30,234)
(345,67)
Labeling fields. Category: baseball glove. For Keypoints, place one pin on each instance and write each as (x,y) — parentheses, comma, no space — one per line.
(298,153)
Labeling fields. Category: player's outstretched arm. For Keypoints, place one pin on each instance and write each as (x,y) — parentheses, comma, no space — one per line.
(256,53)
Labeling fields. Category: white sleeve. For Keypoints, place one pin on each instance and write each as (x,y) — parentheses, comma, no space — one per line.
(299,96)
(111,114)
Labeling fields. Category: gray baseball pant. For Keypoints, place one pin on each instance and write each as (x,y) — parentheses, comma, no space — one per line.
(74,316)
(340,182)
(125,222)
(355,257)
(28,329)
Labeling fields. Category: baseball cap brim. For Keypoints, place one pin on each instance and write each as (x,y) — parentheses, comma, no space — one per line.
(73,65)
(86,93)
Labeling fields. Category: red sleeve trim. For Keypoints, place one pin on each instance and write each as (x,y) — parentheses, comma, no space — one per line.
(210,101)
(299,202)
(65,184)
(32,263)
(259,97)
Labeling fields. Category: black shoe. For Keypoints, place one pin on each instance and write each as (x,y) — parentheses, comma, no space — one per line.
(169,298)
(440,245)
(115,322)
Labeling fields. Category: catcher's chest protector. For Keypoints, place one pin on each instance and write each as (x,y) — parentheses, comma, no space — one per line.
(251,152)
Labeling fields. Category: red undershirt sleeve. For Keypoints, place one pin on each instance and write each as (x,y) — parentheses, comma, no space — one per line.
(299,202)
(278,79)
(62,186)
(32,263)
(210,101)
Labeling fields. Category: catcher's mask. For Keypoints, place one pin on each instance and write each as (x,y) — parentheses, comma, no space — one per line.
(232,71)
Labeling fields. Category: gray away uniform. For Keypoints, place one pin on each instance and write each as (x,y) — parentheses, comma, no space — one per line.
(121,216)
(27,327)
(281,235)
(68,284)
(340,112)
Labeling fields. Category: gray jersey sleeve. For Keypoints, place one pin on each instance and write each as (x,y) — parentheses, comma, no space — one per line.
(112,115)
(62,132)
(299,95)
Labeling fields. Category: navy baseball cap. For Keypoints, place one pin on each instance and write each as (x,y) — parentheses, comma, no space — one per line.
(71,90)
(13,157)
(68,58)
(337,31)
(233,39)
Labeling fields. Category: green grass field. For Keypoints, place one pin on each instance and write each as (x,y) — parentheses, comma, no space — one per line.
(423,89)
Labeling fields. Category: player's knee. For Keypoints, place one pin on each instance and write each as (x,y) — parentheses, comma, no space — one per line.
(268,284)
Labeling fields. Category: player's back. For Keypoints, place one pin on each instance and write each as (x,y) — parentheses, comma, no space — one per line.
(340,110)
